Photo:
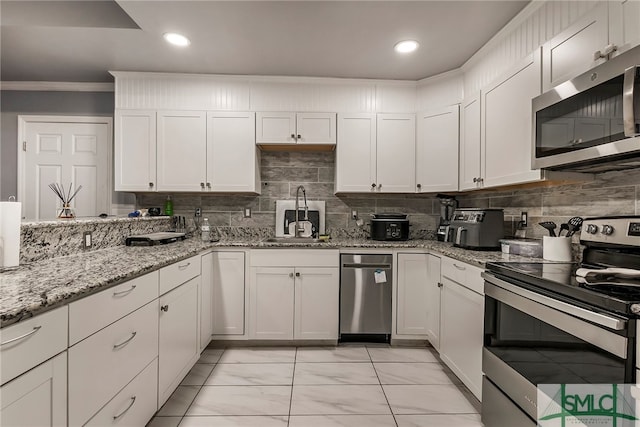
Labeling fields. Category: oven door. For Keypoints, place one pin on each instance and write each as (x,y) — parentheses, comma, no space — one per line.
(531,339)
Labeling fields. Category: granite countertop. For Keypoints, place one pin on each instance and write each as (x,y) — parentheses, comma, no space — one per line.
(33,288)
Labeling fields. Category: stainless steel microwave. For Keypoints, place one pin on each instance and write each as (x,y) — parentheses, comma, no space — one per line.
(592,122)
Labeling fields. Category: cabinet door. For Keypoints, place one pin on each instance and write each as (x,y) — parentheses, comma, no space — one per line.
(228,293)
(470,175)
(316,128)
(275,128)
(437,150)
(396,151)
(37,397)
(135,150)
(571,52)
(317,293)
(356,153)
(506,125)
(178,341)
(434,286)
(182,150)
(412,294)
(205,299)
(232,160)
(271,303)
(624,24)
(461,333)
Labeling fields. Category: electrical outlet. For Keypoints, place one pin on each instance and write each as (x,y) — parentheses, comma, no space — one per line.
(198,212)
(87,239)
(524,216)
(354,214)
(247,212)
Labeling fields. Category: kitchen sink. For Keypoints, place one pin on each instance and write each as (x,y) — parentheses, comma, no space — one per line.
(292,240)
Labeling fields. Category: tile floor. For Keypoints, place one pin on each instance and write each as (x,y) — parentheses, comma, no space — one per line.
(352,385)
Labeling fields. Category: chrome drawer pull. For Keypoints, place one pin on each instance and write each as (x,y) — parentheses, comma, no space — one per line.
(35,329)
(458,267)
(117,294)
(117,346)
(133,400)
(183,266)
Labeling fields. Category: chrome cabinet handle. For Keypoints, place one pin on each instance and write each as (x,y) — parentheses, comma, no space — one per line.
(128,291)
(183,266)
(604,53)
(208,185)
(459,267)
(164,308)
(202,185)
(290,274)
(297,274)
(299,137)
(133,400)
(293,136)
(151,184)
(33,331)
(373,185)
(419,186)
(125,342)
(440,284)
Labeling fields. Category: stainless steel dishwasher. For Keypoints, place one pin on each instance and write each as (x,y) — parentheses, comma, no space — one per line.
(365,297)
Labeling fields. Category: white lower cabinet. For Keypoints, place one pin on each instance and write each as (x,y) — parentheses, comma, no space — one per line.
(412,294)
(178,336)
(316,303)
(271,301)
(205,300)
(228,293)
(434,291)
(37,397)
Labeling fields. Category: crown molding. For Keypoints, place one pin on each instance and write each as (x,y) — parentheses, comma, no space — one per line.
(58,86)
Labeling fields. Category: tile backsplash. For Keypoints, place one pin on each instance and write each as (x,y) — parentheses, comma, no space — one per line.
(614,193)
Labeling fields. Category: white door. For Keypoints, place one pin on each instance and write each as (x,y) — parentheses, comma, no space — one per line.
(434,286)
(437,150)
(317,292)
(135,150)
(271,303)
(396,153)
(356,153)
(412,294)
(232,162)
(182,151)
(70,154)
(276,128)
(316,128)
(470,176)
(624,31)
(228,293)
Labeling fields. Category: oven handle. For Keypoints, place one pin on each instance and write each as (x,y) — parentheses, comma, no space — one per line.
(628,101)
(610,322)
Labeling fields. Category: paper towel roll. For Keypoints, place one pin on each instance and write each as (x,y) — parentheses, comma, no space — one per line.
(10,213)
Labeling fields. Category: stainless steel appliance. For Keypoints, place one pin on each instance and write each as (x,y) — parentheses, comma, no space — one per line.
(448,205)
(561,323)
(365,297)
(477,228)
(389,226)
(592,122)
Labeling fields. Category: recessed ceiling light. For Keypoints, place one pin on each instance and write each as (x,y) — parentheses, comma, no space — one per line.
(406,46)
(176,39)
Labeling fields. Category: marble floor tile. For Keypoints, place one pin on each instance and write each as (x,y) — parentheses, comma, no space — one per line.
(333,354)
(259,355)
(400,354)
(412,373)
(335,373)
(342,421)
(427,399)
(164,422)
(197,375)
(241,400)
(449,420)
(338,399)
(210,355)
(179,401)
(252,374)
(235,421)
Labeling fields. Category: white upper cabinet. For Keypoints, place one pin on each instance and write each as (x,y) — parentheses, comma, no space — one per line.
(182,148)
(624,24)
(232,158)
(506,120)
(296,128)
(469,167)
(437,150)
(395,161)
(135,150)
(356,153)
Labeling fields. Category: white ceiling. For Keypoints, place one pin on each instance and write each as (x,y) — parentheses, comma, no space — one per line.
(82,40)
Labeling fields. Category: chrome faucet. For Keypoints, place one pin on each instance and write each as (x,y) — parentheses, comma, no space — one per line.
(306,209)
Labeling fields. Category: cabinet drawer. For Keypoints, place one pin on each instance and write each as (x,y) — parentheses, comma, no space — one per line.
(295,257)
(102,364)
(176,274)
(465,274)
(93,313)
(135,404)
(31,342)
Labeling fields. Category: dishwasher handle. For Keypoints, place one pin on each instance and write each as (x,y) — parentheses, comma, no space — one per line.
(378,266)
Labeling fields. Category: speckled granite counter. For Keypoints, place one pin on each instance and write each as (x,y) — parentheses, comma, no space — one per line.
(36,287)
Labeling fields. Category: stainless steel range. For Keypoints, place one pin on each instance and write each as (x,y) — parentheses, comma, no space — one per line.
(561,323)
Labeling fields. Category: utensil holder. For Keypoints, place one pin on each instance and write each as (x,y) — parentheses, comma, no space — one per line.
(556,248)
(66,212)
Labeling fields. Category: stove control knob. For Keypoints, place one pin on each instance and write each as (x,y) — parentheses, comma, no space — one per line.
(635,308)
(592,229)
(607,230)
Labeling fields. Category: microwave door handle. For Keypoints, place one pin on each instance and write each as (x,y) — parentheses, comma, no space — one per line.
(628,101)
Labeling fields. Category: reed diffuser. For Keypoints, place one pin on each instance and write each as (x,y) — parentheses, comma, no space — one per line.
(65,197)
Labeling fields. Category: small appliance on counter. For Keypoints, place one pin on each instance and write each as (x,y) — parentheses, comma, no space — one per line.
(477,228)
(448,205)
(389,226)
